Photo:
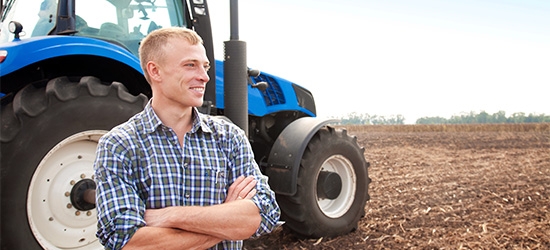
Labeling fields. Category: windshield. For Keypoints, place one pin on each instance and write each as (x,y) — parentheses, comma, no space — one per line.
(37,16)
(124,22)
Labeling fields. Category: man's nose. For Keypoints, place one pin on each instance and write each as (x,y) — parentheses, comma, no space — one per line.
(204,75)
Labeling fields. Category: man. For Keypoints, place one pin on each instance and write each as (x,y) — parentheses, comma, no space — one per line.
(172,178)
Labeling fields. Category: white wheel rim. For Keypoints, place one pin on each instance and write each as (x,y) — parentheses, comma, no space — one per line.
(335,208)
(54,221)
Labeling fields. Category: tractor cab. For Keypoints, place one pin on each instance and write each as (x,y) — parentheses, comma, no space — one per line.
(123,22)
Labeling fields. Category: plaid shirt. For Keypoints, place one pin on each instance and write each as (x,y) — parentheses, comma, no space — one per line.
(140,164)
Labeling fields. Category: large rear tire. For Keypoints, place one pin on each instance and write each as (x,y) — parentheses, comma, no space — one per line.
(48,141)
(332,187)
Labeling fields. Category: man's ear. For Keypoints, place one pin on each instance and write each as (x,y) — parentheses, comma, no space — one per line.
(154,71)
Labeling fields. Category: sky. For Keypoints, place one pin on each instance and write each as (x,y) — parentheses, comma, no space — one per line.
(415,58)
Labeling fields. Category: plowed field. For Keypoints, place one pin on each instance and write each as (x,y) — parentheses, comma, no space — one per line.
(447,187)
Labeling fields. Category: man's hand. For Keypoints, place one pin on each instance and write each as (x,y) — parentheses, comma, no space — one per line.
(158,217)
(242,188)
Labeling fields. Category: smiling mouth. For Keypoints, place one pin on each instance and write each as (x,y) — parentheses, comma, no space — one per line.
(198,89)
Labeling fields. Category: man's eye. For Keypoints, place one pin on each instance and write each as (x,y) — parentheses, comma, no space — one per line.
(207,67)
(190,65)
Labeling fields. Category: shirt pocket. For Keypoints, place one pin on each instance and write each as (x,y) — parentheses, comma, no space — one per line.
(220,179)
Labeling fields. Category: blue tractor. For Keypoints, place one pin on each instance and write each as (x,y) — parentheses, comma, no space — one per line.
(69,72)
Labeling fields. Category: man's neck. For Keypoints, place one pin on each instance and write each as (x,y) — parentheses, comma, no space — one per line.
(178,118)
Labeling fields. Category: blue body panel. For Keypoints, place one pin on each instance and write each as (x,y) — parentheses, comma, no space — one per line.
(283,97)
(280,95)
(41,48)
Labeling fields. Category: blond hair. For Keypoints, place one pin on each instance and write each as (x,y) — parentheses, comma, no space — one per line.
(153,46)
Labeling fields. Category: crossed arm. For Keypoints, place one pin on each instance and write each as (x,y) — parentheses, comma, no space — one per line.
(195,227)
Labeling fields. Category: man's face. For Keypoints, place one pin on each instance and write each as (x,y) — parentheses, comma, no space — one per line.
(184,73)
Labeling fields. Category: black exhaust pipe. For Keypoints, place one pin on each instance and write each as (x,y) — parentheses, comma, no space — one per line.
(235,73)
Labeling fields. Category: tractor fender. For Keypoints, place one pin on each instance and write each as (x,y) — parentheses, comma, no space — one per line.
(284,158)
(25,52)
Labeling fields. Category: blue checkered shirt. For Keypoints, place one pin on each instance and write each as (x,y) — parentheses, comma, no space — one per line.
(140,165)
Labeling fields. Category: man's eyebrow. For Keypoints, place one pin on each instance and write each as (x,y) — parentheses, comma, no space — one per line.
(195,61)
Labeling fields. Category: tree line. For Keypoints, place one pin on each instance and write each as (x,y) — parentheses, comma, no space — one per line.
(464,118)
(484,117)
(366,119)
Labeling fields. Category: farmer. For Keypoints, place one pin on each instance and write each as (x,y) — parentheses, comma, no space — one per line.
(171,177)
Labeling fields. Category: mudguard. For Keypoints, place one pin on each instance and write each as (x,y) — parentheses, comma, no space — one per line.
(287,151)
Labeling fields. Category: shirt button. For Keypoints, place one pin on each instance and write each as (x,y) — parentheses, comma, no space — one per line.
(187,195)
(185,165)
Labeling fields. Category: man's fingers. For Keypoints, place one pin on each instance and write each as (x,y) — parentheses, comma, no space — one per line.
(251,194)
(248,189)
(233,192)
(242,188)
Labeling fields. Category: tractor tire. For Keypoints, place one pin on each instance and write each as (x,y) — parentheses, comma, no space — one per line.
(332,187)
(48,141)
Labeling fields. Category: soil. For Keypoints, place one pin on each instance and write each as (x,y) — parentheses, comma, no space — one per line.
(446,190)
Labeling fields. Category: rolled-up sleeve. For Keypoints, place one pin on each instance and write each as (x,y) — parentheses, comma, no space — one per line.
(269,209)
(120,211)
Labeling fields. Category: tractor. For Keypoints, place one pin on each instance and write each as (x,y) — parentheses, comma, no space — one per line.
(69,72)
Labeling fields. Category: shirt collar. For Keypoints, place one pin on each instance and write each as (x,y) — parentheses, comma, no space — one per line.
(152,122)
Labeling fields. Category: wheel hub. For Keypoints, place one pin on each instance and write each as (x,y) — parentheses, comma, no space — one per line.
(336,186)
(83,195)
(329,185)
